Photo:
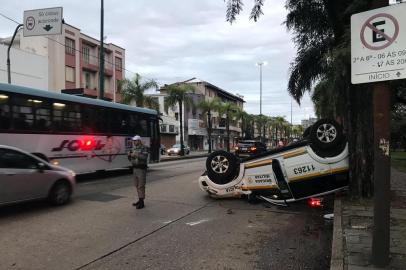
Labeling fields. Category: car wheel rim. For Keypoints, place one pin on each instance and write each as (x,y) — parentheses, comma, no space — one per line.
(220,164)
(62,194)
(326,133)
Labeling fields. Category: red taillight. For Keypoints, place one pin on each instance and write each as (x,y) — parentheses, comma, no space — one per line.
(88,144)
(315,202)
(253,148)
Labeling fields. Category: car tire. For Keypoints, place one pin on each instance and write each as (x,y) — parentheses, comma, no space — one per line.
(60,193)
(221,167)
(326,134)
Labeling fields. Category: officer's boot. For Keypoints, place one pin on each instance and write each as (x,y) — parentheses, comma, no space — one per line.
(136,203)
(140,204)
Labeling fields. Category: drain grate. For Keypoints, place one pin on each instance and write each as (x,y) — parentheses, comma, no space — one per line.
(99,197)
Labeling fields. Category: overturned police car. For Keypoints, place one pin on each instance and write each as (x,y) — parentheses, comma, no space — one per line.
(315,166)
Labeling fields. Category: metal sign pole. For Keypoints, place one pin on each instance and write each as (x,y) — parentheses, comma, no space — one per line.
(8,53)
(381,229)
(381,111)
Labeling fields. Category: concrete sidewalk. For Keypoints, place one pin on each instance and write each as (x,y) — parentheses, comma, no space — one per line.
(353,226)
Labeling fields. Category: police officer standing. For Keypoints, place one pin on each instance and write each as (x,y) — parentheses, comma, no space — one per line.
(138,156)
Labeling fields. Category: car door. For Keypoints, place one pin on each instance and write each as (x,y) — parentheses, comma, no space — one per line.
(20,178)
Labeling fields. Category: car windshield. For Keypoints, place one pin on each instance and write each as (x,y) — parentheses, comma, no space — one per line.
(246,143)
(176,146)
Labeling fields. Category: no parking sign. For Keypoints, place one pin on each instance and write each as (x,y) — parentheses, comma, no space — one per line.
(378,45)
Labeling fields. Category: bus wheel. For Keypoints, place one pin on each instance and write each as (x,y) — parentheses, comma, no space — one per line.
(60,193)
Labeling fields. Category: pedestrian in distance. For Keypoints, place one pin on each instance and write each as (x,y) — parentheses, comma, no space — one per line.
(138,155)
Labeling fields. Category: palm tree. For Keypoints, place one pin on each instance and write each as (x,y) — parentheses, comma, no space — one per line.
(242,115)
(133,90)
(207,107)
(178,94)
(261,121)
(151,102)
(322,36)
(228,109)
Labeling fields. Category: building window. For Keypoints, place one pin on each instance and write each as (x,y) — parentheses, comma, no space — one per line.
(171,128)
(163,128)
(88,82)
(119,64)
(69,46)
(86,54)
(119,86)
(177,116)
(69,74)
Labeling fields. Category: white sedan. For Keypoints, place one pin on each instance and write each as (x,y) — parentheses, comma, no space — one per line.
(312,167)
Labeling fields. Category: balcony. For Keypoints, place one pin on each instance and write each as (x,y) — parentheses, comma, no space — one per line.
(89,64)
(108,69)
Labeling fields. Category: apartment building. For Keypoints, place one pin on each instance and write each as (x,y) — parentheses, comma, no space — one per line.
(73,62)
(195,121)
(169,126)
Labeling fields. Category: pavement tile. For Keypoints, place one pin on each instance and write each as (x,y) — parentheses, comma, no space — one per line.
(359,259)
(357,224)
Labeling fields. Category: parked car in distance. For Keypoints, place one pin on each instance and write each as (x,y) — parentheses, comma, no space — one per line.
(25,177)
(247,148)
(175,150)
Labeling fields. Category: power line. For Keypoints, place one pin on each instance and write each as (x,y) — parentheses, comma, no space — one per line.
(74,49)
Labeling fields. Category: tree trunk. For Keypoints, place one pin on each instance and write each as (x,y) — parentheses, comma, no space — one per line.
(228,132)
(360,140)
(209,129)
(182,147)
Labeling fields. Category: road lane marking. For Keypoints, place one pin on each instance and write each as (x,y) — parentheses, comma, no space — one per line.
(197,222)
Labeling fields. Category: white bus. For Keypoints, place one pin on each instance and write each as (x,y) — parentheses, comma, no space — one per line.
(79,133)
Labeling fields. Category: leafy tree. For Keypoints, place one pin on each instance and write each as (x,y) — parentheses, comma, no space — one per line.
(178,94)
(133,91)
(208,107)
(229,110)
(261,122)
(321,32)
(242,115)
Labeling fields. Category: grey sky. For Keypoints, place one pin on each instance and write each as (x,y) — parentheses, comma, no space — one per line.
(172,40)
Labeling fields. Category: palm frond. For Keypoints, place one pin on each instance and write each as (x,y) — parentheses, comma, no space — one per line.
(234,7)
(256,11)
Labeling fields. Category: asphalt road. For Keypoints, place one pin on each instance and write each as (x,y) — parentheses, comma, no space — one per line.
(180,228)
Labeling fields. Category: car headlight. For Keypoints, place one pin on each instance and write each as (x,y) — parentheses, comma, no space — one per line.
(72,173)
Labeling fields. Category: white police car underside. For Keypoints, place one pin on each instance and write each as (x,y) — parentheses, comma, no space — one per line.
(312,167)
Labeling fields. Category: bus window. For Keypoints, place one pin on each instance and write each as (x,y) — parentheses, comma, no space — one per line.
(66,117)
(138,125)
(23,115)
(4,112)
(42,113)
(119,122)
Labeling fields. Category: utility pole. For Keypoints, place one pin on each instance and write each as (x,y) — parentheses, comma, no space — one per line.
(101,56)
(381,116)
(8,53)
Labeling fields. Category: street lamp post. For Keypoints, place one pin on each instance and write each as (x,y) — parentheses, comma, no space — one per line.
(101,55)
(260,64)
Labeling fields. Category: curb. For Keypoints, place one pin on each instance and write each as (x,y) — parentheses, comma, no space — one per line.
(337,256)
(181,158)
